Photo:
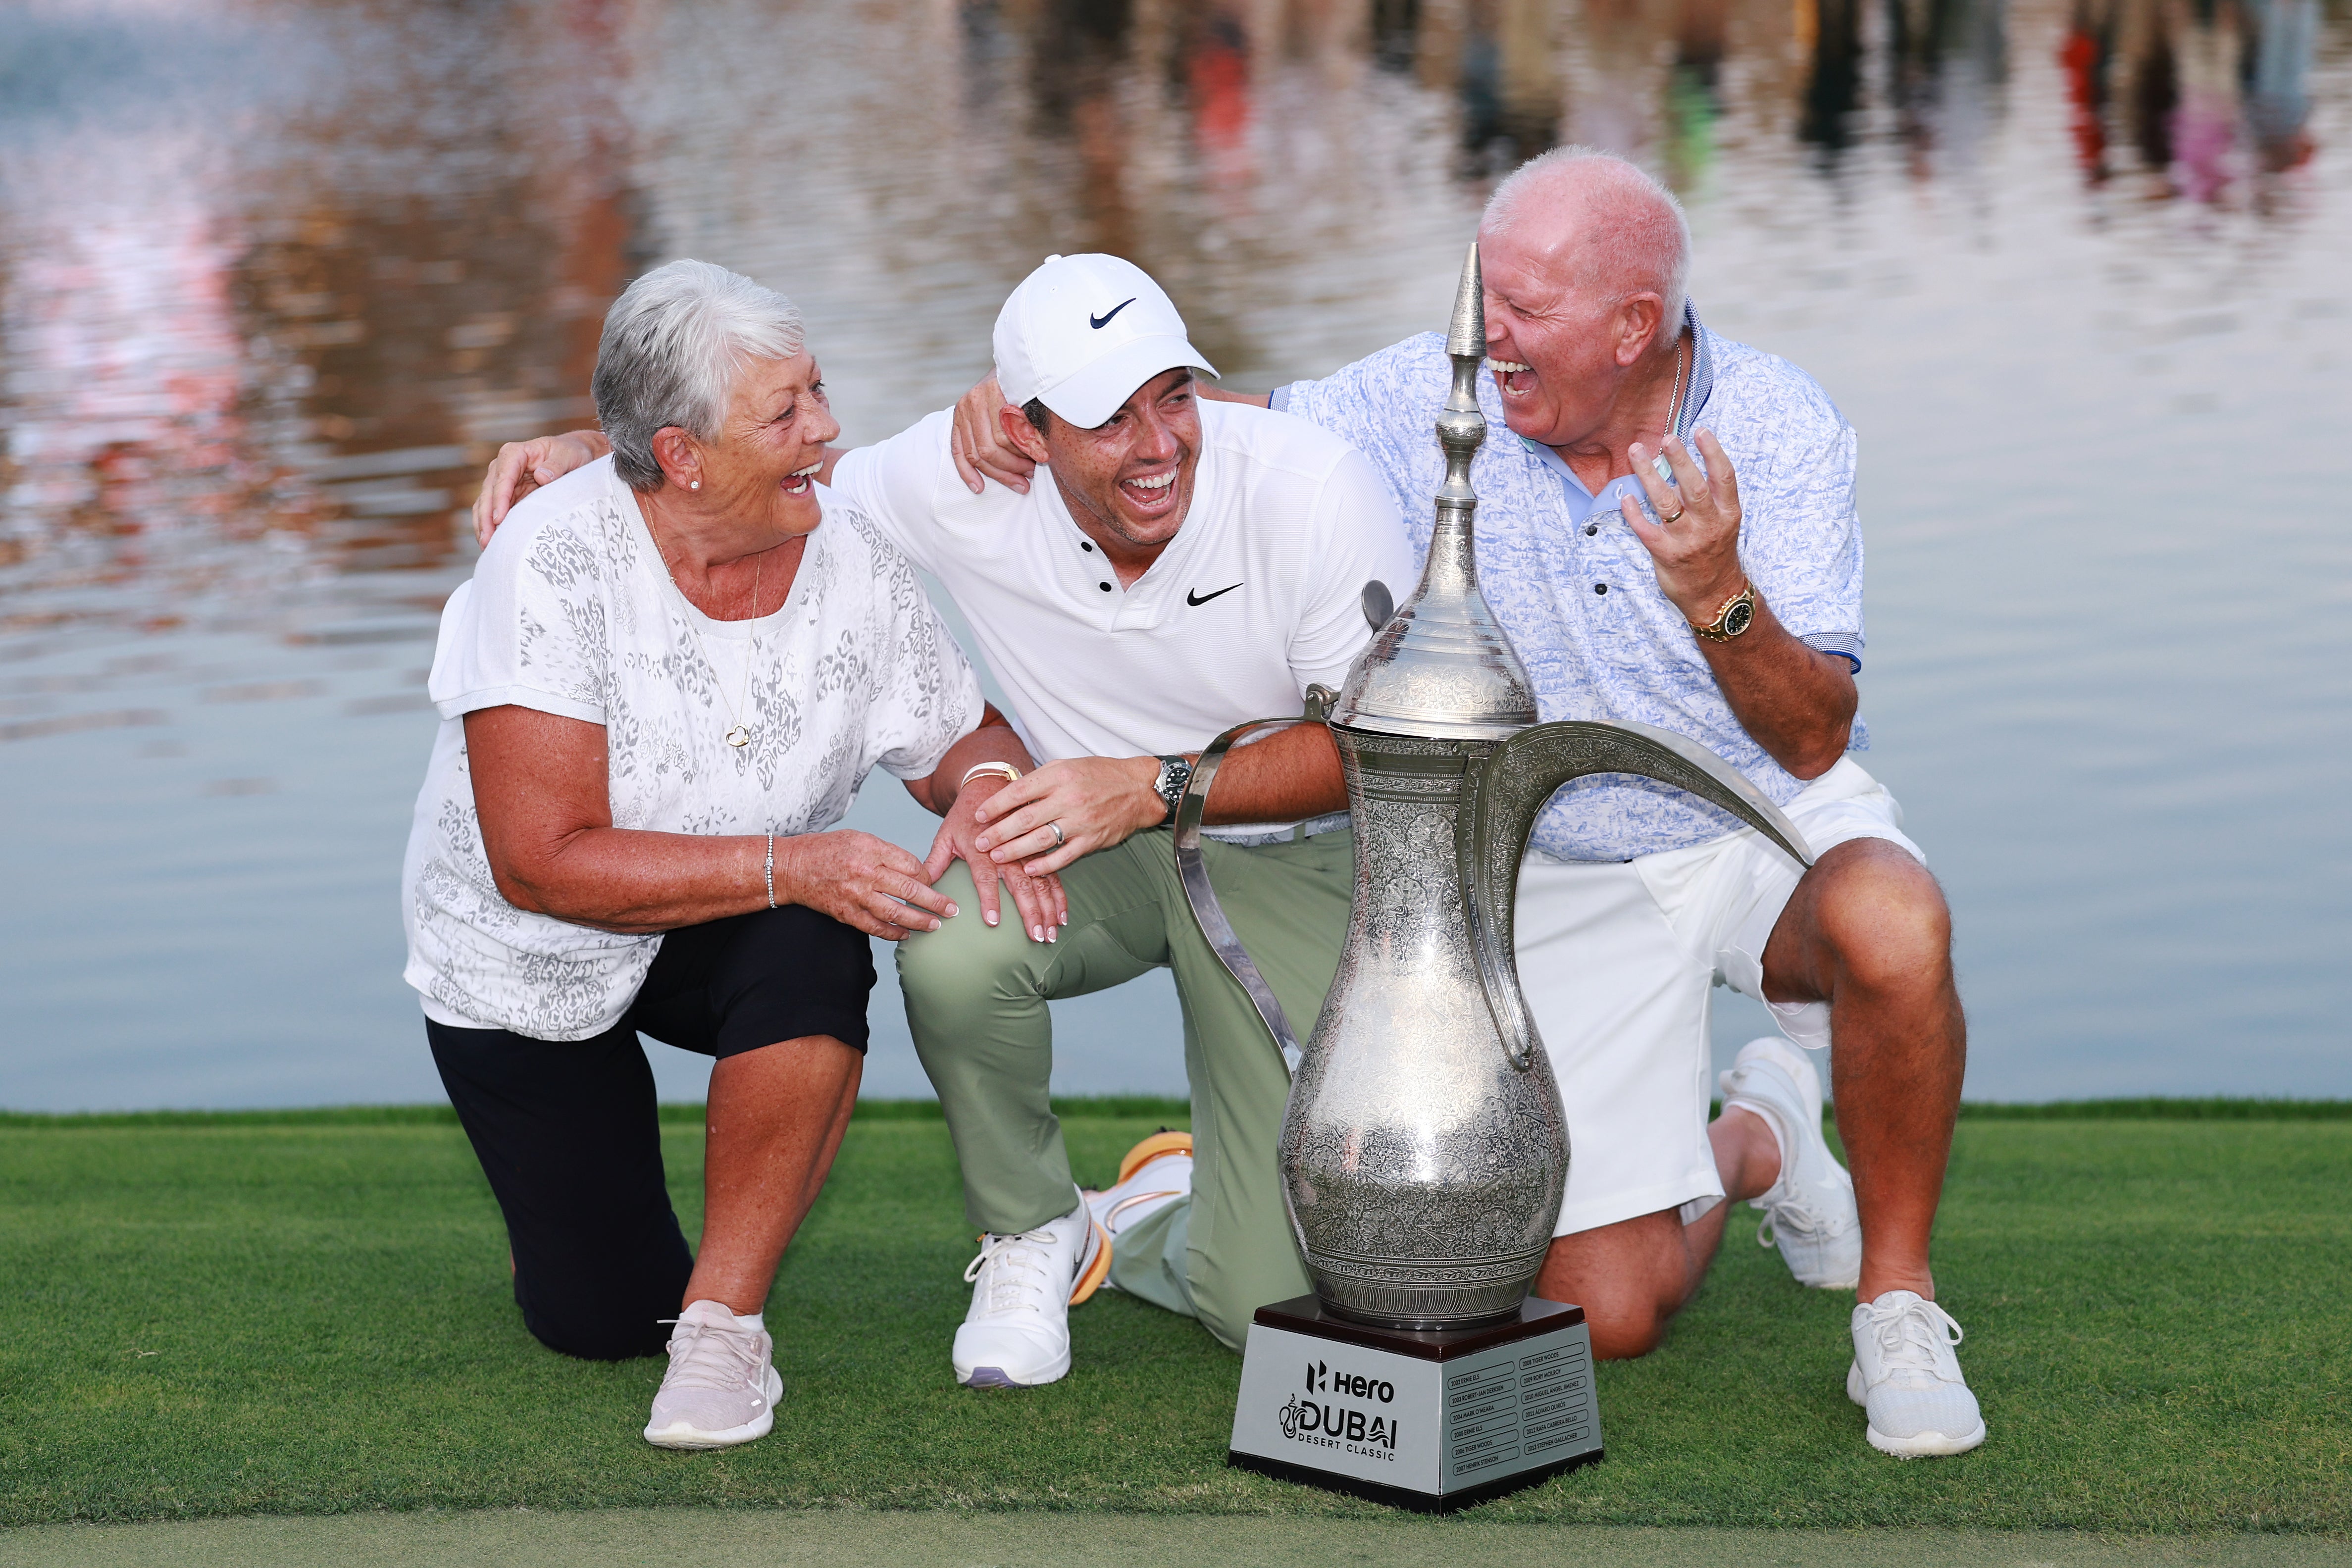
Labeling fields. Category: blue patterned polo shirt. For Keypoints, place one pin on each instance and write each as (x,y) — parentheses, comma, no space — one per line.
(1575,590)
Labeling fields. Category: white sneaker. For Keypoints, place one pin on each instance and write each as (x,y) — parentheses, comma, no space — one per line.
(1906,1374)
(1017,1334)
(722,1387)
(1810,1212)
(1155,1173)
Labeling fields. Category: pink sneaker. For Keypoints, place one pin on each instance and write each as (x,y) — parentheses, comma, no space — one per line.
(722,1387)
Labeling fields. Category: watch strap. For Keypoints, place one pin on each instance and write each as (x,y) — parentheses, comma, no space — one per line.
(1175,772)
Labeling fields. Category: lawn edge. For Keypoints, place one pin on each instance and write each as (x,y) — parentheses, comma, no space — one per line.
(1149,1107)
(1348,1511)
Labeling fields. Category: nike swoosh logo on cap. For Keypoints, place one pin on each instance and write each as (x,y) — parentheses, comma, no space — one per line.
(1099,322)
(1196,599)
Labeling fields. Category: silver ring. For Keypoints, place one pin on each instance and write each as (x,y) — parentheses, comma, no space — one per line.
(1057,830)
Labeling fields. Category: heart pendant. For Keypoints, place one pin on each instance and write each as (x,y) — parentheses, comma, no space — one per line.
(738,737)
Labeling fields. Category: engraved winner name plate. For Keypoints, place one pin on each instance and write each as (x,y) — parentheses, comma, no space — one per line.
(1429,1419)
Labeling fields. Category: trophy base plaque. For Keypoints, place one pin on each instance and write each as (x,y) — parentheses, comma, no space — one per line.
(1432,1420)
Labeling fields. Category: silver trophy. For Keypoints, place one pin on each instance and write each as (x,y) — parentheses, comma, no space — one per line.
(1425,1149)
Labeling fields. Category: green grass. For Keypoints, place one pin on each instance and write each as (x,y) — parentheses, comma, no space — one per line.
(290,1315)
(2153,1110)
(1139,1107)
(1129,1108)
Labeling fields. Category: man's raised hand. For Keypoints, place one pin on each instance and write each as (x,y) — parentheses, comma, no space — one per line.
(978,442)
(1045,908)
(1694,544)
(1095,801)
(522,466)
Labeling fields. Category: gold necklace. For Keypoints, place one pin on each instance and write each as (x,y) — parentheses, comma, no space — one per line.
(1675,404)
(739,734)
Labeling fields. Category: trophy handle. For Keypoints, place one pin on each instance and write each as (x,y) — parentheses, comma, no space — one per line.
(1510,789)
(1193,871)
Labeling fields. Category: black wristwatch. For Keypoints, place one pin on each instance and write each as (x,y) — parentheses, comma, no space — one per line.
(1174,774)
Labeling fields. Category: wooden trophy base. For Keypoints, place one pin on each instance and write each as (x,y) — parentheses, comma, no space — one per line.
(1430,1419)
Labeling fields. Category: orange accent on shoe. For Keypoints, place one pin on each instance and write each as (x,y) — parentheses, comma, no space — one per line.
(1097,1268)
(1150,1149)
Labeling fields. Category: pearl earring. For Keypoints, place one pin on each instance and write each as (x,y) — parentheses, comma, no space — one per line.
(694,483)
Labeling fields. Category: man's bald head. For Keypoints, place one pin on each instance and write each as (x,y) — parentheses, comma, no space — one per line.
(1585,258)
(1617,229)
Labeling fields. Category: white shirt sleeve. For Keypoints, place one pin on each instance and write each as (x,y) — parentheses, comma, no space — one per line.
(896,483)
(926,697)
(1359,537)
(1384,405)
(528,629)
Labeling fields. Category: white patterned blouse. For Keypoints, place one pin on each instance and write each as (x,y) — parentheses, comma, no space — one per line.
(570,612)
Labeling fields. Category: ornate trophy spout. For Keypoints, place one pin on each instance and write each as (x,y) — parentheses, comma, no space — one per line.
(1425,1148)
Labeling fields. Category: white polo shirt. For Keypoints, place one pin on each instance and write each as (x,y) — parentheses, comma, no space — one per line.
(1256,598)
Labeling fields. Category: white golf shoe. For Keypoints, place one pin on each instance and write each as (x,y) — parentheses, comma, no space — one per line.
(1017,1334)
(1810,1212)
(1155,1173)
(1906,1375)
(722,1387)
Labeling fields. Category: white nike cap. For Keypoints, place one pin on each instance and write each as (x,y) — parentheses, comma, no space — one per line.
(1082,332)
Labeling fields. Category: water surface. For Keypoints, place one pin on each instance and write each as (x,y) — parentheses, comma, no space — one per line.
(276,279)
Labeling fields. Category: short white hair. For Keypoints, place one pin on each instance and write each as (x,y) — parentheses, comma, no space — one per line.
(674,343)
(1649,243)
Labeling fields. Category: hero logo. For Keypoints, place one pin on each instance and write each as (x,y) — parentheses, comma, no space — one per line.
(1330,1425)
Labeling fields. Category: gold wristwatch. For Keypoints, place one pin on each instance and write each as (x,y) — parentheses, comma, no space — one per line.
(1737,614)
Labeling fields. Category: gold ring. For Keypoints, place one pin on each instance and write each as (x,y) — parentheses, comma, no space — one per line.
(1676,519)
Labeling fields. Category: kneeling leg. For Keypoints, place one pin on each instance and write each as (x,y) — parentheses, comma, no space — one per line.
(1630,1278)
(569,1136)
(775,1120)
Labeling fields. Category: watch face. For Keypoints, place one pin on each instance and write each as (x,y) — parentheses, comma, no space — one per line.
(1737,618)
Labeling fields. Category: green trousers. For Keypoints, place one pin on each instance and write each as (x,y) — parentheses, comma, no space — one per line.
(976,1000)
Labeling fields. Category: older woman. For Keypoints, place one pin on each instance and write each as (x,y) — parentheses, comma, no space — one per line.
(667,680)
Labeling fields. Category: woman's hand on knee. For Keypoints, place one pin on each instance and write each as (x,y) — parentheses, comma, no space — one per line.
(1044,909)
(860,880)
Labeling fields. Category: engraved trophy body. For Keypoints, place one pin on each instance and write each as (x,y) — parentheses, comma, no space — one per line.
(1425,1148)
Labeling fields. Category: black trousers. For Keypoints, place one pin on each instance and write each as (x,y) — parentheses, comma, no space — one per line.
(569,1133)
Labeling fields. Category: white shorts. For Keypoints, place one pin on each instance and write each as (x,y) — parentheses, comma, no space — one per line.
(1617,959)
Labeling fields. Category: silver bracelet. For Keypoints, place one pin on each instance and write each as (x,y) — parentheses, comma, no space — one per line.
(771,870)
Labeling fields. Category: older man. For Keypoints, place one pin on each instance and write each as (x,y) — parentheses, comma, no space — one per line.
(1726,604)
(1186,568)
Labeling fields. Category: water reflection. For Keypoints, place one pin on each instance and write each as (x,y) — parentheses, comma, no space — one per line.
(275,279)
(293,339)
(2208,95)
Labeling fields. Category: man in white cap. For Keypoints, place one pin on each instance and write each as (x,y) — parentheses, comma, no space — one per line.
(1190,566)
(1725,604)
